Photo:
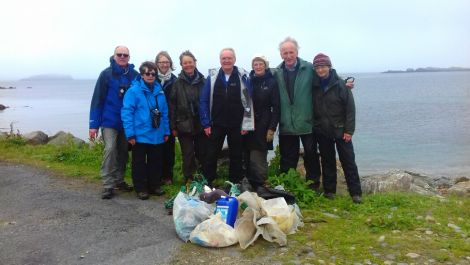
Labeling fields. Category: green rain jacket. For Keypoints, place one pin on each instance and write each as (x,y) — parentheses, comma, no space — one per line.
(296,116)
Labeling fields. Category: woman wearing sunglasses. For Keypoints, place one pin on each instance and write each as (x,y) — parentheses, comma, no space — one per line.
(145,119)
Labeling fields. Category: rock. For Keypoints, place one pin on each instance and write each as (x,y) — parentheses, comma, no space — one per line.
(381,238)
(399,181)
(36,137)
(2,107)
(453,226)
(460,189)
(430,219)
(63,138)
(413,255)
(3,135)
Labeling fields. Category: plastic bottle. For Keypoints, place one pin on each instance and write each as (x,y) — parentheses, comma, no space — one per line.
(228,207)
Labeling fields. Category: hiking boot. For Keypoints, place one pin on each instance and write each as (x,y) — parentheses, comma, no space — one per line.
(330,195)
(107,194)
(143,195)
(157,191)
(123,186)
(356,199)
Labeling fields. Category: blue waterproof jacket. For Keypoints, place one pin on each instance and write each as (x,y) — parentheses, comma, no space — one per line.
(136,113)
(106,103)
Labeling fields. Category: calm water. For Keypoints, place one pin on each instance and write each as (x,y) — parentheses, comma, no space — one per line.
(415,121)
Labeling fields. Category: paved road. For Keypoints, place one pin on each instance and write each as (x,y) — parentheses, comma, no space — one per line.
(51,220)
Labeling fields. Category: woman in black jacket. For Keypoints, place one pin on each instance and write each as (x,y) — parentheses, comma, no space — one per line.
(334,119)
(184,114)
(265,97)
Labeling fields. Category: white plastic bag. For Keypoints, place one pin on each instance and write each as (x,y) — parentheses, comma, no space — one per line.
(285,215)
(214,232)
(188,212)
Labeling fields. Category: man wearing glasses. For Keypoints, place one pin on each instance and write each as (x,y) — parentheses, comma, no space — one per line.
(105,113)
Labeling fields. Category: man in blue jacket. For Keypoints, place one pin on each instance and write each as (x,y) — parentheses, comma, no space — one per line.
(105,112)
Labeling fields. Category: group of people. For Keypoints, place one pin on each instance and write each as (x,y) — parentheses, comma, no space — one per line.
(148,109)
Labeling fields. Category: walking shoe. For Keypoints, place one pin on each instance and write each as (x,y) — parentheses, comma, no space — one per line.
(107,194)
(330,195)
(123,186)
(143,195)
(157,191)
(356,199)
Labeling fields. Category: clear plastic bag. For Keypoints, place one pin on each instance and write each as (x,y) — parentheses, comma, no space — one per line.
(188,212)
(214,232)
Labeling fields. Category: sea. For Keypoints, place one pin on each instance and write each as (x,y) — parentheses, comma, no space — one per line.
(418,122)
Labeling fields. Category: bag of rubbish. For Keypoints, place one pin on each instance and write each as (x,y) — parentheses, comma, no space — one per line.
(245,227)
(248,228)
(250,200)
(188,212)
(214,232)
(284,215)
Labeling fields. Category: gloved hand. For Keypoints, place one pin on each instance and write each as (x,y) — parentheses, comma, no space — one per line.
(270,135)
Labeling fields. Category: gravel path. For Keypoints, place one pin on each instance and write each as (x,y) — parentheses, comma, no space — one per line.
(52,220)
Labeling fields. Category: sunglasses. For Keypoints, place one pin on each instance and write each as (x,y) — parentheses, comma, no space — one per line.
(150,74)
(125,55)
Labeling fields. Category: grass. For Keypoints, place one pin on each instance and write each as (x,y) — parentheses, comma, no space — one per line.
(386,226)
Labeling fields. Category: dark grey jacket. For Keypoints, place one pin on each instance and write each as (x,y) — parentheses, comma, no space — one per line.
(334,108)
(184,104)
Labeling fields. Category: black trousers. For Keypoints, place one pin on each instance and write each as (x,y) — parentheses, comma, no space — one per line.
(348,162)
(168,158)
(289,147)
(193,151)
(256,166)
(146,166)
(215,144)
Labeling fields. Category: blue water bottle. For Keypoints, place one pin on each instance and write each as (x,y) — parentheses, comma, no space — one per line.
(228,207)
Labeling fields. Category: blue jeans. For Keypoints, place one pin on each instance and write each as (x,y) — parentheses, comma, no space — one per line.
(115,157)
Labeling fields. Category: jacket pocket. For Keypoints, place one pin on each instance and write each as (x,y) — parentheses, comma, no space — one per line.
(185,126)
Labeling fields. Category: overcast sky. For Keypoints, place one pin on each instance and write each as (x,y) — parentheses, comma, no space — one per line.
(77,37)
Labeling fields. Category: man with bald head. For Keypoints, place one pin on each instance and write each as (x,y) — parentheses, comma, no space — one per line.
(105,113)
(295,78)
(226,110)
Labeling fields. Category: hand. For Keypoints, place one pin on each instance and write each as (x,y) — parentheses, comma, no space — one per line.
(208,131)
(350,82)
(269,135)
(175,133)
(93,133)
(347,137)
(166,137)
(244,132)
(131,141)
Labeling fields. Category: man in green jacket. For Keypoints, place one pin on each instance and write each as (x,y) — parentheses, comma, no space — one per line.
(295,78)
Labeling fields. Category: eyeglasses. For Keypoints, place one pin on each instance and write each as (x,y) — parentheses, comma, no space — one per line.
(150,74)
(125,55)
(163,62)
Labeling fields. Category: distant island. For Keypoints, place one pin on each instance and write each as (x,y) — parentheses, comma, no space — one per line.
(48,77)
(428,69)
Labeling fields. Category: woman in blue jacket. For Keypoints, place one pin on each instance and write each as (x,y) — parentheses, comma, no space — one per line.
(145,119)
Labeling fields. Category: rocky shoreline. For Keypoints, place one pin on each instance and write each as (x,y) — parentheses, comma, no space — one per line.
(392,181)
